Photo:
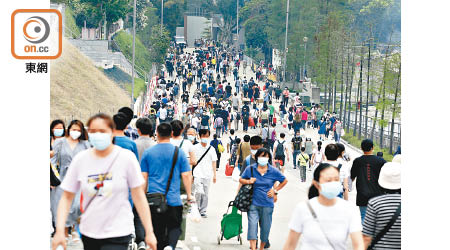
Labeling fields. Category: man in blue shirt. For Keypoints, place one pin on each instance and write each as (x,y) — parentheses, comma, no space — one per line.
(156,165)
(121,120)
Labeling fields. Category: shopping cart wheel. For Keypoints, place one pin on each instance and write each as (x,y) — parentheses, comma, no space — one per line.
(218,239)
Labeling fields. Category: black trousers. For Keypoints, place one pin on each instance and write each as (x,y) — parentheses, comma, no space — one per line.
(116,243)
(167,226)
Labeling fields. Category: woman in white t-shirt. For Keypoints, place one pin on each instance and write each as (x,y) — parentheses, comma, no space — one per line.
(104,174)
(325,221)
(317,156)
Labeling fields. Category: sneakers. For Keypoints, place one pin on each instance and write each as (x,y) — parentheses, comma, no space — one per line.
(142,246)
(204,215)
(267,245)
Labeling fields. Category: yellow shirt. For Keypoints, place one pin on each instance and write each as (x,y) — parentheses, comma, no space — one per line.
(213,61)
(303,159)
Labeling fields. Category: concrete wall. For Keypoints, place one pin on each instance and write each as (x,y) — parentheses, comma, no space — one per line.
(195,25)
(97,51)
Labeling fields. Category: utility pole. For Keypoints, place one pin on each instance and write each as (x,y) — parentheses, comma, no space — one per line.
(162,15)
(134,44)
(285,41)
(237,23)
(305,39)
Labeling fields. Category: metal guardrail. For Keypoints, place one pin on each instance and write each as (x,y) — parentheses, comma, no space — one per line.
(367,133)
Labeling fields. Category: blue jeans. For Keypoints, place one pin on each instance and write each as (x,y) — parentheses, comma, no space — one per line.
(337,137)
(362,210)
(294,157)
(237,89)
(303,124)
(263,215)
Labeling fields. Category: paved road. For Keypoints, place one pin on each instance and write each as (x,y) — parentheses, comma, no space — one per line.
(203,235)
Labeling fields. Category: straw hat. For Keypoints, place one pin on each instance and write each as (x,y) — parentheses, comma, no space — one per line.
(390,176)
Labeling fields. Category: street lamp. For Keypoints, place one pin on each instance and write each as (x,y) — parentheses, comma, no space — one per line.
(305,40)
(134,44)
(162,15)
(285,41)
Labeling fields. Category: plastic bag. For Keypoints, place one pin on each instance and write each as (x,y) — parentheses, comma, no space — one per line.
(236,174)
(194,214)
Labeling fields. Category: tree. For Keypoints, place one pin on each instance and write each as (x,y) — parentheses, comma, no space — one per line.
(110,11)
(159,44)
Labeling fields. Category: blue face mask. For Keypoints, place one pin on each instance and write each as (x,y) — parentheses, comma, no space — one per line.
(58,132)
(331,189)
(191,137)
(100,141)
(205,140)
(263,161)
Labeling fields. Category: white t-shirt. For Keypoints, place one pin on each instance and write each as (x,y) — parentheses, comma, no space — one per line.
(195,102)
(204,168)
(187,146)
(99,221)
(344,172)
(163,114)
(337,222)
(195,121)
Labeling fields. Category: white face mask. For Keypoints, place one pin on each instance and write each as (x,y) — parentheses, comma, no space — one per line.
(75,134)
(253,151)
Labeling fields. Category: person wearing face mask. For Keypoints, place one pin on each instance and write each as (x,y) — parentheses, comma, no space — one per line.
(204,170)
(263,177)
(64,150)
(104,174)
(255,144)
(325,221)
(192,136)
(57,130)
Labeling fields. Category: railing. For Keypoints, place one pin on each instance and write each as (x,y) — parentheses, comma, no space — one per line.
(367,133)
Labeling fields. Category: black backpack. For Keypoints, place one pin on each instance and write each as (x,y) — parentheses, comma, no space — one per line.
(279,151)
(170,114)
(238,116)
(297,143)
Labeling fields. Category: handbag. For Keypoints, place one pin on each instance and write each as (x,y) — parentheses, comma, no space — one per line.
(386,229)
(244,197)
(158,201)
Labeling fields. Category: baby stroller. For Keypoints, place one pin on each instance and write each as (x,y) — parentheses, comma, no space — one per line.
(231,225)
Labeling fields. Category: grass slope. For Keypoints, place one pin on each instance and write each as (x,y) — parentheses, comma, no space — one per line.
(78,89)
(124,80)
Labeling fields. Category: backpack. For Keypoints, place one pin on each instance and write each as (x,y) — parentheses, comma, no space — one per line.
(219,122)
(232,141)
(297,143)
(170,114)
(238,116)
(279,151)
(318,156)
(291,117)
(273,135)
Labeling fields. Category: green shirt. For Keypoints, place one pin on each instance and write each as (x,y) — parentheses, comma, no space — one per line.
(272,109)
(319,114)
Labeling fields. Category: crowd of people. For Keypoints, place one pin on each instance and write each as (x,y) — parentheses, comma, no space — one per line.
(132,172)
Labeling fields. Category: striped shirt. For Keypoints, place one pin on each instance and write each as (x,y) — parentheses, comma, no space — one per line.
(380,210)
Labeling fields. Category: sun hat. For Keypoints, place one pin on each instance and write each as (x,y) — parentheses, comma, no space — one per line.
(390,176)
(397,158)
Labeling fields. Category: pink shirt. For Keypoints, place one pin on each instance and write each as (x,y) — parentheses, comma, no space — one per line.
(109,214)
(304,115)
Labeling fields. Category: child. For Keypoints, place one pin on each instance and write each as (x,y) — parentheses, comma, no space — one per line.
(303,160)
